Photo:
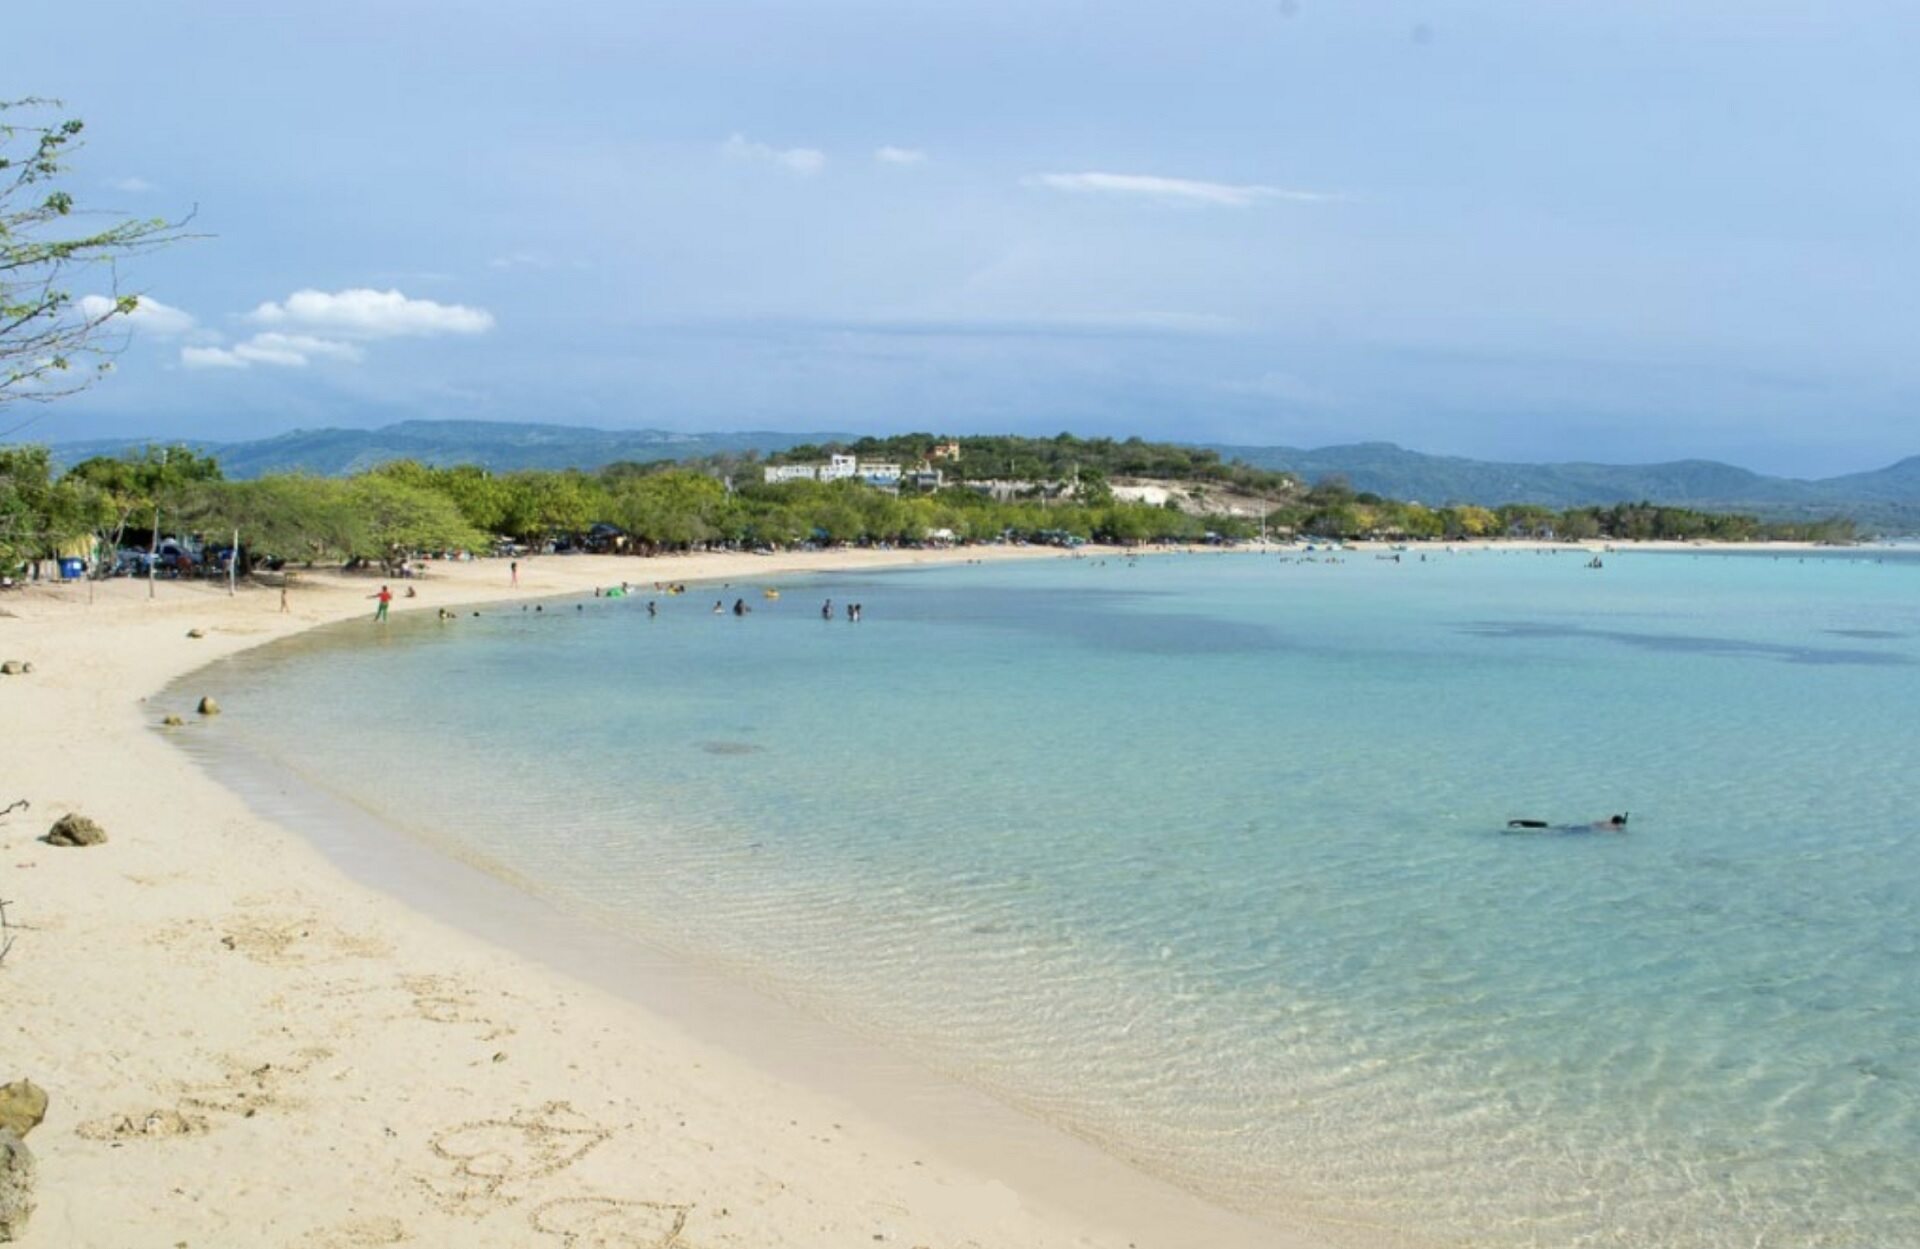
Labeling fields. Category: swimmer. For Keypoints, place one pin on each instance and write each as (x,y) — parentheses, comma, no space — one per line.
(1612,824)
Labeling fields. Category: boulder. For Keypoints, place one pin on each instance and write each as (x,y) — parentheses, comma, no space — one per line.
(196,633)
(14,668)
(75,830)
(173,722)
(208,707)
(16,1186)
(23,1104)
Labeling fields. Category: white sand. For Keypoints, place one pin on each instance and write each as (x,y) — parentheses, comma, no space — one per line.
(245,1047)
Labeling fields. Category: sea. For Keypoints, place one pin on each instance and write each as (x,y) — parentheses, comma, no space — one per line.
(1206,858)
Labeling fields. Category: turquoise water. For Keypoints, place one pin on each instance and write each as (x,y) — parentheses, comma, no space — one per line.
(1204,857)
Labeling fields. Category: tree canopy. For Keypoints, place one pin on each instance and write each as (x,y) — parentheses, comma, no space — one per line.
(405,508)
(53,343)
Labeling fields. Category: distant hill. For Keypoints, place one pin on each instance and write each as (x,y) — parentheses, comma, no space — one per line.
(1896,483)
(497,445)
(1887,498)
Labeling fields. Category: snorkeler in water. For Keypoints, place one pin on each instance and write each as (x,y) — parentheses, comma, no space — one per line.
(1612,824)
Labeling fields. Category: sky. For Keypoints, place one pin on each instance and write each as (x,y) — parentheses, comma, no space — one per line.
(1511,229)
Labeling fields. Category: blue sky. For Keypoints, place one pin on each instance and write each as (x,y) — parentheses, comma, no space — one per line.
(1596,229)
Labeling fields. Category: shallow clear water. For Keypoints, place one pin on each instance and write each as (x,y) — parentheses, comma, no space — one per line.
(1205,858)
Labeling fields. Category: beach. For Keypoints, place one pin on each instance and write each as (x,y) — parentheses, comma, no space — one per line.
(276,1008)
(244,1046)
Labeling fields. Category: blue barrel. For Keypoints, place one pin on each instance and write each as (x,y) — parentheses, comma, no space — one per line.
(72,569)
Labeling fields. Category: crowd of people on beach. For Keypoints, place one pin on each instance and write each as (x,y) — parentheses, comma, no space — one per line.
(383,600)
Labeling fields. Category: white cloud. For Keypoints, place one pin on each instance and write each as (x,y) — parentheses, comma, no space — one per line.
(210,358)
(295,350)
(149,315)
(805,161)
(363,313)
(1155,187)
(132,185)
(899,156)
(287,351)
(312,326)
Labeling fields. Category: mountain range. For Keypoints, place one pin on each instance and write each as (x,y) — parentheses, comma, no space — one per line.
(1887,499)
(1395,472)
(498,445)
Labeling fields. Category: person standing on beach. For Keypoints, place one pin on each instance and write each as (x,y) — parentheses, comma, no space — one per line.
(513,572)
(385,596)
(284,609)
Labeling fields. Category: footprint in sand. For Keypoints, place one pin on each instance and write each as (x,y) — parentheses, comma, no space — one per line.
(275,941)
(492,1159)
(443,999)
(247,1089)
(612,1223)
(152,1125)
(358,1234)
(151,880)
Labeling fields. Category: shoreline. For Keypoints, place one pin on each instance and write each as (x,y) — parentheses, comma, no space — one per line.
(213,1003)
(246,1043)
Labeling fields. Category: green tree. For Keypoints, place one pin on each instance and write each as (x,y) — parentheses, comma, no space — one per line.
(51,343)
(676,509)
(295,517)
(392,520)
(143,490)
(38,515)
(536,505)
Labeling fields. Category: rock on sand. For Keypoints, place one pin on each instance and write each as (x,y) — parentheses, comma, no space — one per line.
(23,1104)
(16,1186)
(75,830)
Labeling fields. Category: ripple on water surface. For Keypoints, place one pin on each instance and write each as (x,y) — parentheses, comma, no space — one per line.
(1207,859)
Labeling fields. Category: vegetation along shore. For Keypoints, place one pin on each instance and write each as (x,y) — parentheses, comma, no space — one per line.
(113,512)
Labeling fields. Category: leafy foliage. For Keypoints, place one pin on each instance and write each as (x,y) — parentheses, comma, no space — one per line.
(406,507)
(50,343)
(39,515)
(1064,457)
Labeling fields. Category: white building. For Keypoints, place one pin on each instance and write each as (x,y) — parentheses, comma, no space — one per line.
(840,468)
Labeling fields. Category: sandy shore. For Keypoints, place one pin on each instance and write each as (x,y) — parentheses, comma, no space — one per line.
(246,1047)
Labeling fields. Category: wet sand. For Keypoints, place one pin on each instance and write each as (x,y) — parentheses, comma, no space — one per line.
(250,1040)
